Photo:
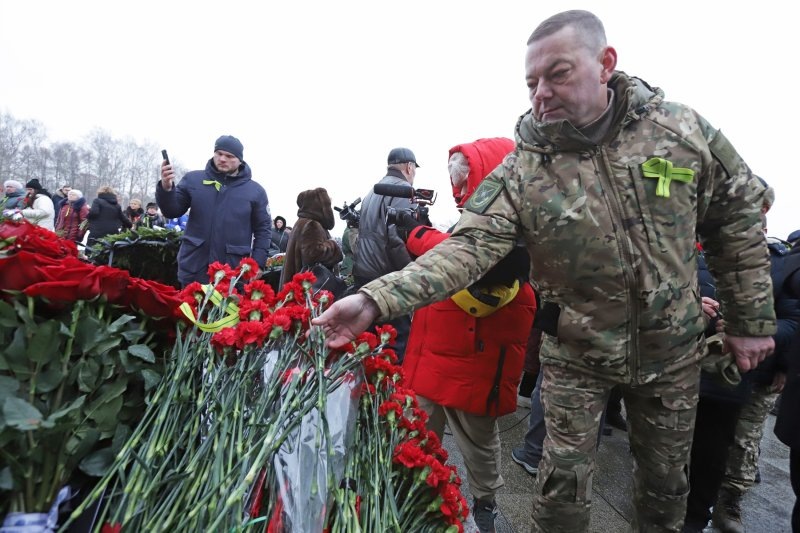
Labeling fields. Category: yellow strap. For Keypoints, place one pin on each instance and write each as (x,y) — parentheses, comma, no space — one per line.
(229,320)
(215,183)
(471,305)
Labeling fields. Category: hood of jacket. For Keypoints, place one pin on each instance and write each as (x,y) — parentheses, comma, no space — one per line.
(108,197)
(483,156)
(633,98)
(77,204)
(315,204)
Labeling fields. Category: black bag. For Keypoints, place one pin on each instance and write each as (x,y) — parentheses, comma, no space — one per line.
(327,280)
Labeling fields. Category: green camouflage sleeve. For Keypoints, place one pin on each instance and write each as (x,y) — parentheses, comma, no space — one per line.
(731,232)
(480,239)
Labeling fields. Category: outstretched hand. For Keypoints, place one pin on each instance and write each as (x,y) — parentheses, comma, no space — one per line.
(346,319)
(749,351)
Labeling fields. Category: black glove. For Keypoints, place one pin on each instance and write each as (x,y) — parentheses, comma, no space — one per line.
(406,223)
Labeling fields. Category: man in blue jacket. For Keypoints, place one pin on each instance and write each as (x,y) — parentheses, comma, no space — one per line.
(230,212)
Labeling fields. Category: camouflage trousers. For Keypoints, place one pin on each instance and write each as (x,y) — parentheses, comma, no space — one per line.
(660,422)
(742,463)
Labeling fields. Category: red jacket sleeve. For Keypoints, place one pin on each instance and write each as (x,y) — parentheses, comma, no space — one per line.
(423,238)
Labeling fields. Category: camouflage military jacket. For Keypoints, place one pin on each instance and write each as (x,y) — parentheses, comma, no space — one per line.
(611,228)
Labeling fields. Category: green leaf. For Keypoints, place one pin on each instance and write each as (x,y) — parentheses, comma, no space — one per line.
(117,325)
(142,351)
(88,333)
(6,480)
(49,379)
(110,391)
(106,344)
(97,463)
(75,404)
(105,415)
(8,316)
(8,387)
(151,378)
(82,441)
(44,343)
(133,335)
(121,435)
(21,415)
(88,372)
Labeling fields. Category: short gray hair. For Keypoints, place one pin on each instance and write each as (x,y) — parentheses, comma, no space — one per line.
(587,25)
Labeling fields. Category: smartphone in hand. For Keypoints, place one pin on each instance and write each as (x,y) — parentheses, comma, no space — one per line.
(165,156)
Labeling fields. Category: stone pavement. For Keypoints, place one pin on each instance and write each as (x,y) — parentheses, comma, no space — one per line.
(767,508)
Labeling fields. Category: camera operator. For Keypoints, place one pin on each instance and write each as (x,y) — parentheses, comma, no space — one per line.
(379,248)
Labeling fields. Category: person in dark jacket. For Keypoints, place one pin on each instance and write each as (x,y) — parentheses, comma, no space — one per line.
(152,218)
(787,424)
(310,241)
(280,236)
(230,212)
(15,195)
(730,420)
(60,198)
(465,354)
(105,216)
(380,249)
(72,220)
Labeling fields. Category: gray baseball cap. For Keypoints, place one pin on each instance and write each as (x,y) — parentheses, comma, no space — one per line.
(402,155)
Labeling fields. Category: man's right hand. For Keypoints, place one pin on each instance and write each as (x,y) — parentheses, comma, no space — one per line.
(167,176)
(346,319)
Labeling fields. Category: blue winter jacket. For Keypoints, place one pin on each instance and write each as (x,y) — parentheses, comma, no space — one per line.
(225,225)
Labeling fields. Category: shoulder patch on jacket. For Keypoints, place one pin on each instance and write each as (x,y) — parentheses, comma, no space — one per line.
(483,196)
(725,153)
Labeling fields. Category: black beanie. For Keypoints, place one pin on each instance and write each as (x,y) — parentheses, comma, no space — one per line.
(230,144)
(34,184)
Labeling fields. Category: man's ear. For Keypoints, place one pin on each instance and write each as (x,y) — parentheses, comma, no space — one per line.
(608,59)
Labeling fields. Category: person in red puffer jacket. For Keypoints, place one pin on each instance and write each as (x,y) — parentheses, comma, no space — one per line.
(465,355)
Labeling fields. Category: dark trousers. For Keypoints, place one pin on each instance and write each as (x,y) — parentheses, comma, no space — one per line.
(713,433)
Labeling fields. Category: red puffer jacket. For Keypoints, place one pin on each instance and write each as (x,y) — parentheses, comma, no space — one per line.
(463,362)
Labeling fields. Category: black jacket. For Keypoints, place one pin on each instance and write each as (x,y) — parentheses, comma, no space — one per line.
(787,426)
(106,217)
(379,249)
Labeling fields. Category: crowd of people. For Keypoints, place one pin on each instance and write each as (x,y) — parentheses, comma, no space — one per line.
(601,255)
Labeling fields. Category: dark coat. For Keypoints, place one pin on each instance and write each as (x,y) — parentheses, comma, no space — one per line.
(226,225)
(787,425)
(380,249)
(105,217)
(310,241)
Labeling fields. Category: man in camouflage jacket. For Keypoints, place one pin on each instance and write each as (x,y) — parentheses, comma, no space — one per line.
(608,186)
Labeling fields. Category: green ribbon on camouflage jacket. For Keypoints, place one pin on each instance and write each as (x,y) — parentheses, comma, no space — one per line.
(663,170)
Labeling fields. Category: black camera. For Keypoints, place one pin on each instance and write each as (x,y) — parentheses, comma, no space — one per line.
(349,214)
(406,216)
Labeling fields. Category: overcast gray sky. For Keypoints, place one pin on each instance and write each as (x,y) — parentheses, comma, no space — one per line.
(319,92)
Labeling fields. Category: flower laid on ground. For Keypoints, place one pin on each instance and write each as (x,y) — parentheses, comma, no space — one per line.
(78,354)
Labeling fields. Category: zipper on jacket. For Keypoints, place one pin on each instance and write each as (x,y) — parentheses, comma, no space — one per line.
(625,247)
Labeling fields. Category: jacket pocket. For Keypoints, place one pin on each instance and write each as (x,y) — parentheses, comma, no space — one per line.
(235,253)
(666,218)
